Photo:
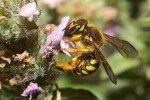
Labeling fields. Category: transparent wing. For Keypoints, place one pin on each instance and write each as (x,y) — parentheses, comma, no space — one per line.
(124,47)
(101,58)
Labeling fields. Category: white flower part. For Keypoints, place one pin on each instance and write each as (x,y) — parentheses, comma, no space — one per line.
(56,36)
(29,11)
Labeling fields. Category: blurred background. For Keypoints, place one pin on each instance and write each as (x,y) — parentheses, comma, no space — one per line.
(126,19)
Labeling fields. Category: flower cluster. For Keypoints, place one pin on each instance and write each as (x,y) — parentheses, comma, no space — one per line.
(32,90)
(20,52)
(29,11)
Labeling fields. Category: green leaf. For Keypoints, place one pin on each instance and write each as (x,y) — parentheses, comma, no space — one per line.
(63,58)
(76,94)
(147,13)
(2,13)
(27,25)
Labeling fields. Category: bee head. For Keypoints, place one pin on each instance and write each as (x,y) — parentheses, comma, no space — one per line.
(76,26)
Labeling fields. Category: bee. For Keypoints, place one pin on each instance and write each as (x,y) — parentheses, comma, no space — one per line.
(88,39)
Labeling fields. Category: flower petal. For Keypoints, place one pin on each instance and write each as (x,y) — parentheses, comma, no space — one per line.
(29,10)
(32,89)
(72,45)
(56,36)
(25,93)
(32,86)
(36,13)
(30,18)
(65,45)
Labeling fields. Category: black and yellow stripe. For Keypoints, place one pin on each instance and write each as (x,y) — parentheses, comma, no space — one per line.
(88,64)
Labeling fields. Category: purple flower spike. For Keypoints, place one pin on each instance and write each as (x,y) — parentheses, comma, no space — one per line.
(56,36)
(32,90)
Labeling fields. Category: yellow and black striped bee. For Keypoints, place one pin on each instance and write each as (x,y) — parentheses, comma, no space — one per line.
(88,39)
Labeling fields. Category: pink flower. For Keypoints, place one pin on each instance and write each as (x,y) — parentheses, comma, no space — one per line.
(57,36)
(66,45)
(29,11)
(52,3)
(32,90)
(49,52)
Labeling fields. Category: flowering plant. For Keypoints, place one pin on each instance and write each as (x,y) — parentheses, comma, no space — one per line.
(25,55)
(31,37)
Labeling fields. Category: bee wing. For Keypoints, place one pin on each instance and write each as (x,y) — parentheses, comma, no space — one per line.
(124,47)
(99,56)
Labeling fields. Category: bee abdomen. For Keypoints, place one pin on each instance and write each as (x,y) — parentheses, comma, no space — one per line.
(89,66)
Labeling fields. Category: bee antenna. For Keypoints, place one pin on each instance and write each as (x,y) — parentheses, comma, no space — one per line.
(68,25)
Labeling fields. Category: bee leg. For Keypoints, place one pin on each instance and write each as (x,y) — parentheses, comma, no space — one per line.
(74,38)
(65,66)
(81,50)
(89,38)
